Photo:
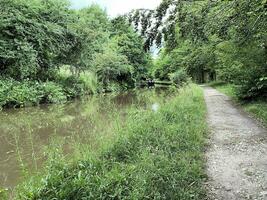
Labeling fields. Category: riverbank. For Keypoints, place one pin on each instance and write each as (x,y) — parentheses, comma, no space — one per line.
(63,87)
(257,108)
(155,155)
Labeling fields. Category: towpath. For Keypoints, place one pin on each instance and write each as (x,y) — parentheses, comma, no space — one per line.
(237,154)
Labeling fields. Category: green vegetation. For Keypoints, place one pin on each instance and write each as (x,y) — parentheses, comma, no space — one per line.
(15,93)
(228,89)
(211,40)
(50,53)
(38,39)
(155,155)
(257,108)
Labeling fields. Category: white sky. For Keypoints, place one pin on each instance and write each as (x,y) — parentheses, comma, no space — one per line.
(115,7)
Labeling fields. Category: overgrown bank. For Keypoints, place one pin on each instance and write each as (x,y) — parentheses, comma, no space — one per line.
(258,108)
(23,93)
(157,155)
(40,38)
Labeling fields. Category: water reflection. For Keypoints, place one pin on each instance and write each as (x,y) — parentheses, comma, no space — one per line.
(25,133)
(155,107)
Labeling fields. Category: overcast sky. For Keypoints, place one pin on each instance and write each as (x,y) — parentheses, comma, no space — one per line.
(115,7)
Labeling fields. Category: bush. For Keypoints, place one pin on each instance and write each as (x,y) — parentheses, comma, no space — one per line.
(163,66)
(77,86)
(253,88)
(17,94)
(179,77)
(113,68)
(27,93)
(89,80)
(52,93)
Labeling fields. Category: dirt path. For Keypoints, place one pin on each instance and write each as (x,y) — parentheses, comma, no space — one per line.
(237,155)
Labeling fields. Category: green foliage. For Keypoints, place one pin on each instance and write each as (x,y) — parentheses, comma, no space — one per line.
(90,83)
(33,37)
(91,26)
(27,93)
(258,109)
(157,155)
(131,45)
(212,39)
(19,94)
(14,93)
(38,38)
(180,77)
(52,93)
(163,67)
(113,67)
(4,194)
(228,89)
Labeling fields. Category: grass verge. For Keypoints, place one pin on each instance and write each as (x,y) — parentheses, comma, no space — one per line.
(257,108)
(156,155)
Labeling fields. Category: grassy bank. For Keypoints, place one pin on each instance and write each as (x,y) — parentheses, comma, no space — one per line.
(156,155)
(257,108)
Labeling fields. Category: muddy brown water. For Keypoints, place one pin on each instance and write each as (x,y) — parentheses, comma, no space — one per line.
(26,133)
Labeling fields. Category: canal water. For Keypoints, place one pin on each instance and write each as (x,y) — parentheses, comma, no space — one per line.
(27,133)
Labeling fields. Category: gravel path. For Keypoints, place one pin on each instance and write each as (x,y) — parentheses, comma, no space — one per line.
(237,154)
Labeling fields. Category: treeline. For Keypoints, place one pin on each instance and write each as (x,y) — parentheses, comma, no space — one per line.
(210,40)
(50,53)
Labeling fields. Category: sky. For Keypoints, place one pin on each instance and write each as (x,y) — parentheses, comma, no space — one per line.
(116,7)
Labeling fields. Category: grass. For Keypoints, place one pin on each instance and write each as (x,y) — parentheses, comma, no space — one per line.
(154,155)
(228,89)
(257,108)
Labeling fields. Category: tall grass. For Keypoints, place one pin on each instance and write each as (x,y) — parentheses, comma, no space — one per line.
(156,155)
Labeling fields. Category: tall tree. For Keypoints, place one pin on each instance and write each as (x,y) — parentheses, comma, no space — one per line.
(131,45)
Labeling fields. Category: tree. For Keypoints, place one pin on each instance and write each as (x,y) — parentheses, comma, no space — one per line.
(227,38)
(34,37)
(131,45)
(92,29)
(112,68)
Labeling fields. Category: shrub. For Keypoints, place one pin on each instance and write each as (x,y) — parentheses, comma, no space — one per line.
(162,67)
(52,93)
(17,94)
(253,88)
(77,86)
(113,67)
(179,77)
(26,93)
(90,83)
